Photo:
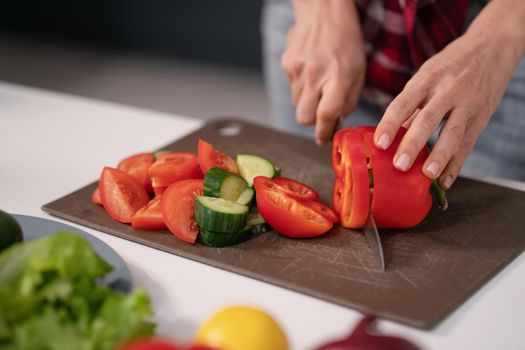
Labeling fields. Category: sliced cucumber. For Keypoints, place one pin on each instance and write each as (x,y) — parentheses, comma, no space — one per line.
(220,239)
(251,166)
(219,215)
(257,222)
(246,196)
(221,183)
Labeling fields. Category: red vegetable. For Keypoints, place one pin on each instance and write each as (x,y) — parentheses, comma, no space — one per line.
(137,166)
(295,189)
(288,215)
(157,344)
(170,167)
(360,339)
(122,195)
(209,157)
(177,205)
(351,194)
(149,217)
(397,199)
(95,197)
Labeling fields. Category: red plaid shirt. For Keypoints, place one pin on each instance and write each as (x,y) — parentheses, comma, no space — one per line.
(402,34)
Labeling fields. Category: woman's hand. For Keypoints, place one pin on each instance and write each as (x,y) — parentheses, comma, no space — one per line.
(325,63)
(462,86)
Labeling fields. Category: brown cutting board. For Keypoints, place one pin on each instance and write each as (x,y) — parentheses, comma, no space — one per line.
(431,269)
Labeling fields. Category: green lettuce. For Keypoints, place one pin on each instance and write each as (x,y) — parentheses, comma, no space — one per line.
(49,298)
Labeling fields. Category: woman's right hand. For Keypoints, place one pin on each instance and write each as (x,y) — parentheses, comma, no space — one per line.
(325,62)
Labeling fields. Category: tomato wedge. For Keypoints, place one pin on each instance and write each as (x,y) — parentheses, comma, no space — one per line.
(137,166)
(324,210)
(209,157)
(295,189)
(122,195)
(170,167)
(149,217)
(95,197)
(286,214)
(177,205)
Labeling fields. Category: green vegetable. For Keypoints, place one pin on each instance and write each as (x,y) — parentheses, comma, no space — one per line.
(246,196)
(222,239)
(219,215)
(221,183)
(49,298)
(251,166)
(10,231)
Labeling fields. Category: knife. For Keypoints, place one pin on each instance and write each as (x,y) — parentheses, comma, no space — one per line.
(372,236)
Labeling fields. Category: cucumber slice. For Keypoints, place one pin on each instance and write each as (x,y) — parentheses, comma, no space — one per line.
(219,215)
(254,218)
(223,184)
(246,196)
(257,222)
(221,239)
(251,166)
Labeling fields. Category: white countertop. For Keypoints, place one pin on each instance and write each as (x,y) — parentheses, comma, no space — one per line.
(52,144)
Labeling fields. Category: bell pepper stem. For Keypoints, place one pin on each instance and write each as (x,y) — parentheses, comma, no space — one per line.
(440,195)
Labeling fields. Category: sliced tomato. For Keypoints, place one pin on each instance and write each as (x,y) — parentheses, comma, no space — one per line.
(170,167)
(296,189)
(286,214)
(149,217)
(159,190)
(323,209)
(177,205)
(209,157)
(137,166)
(122,195)
(95,197)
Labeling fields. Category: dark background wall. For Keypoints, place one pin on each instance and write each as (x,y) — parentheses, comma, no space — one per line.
(224,31)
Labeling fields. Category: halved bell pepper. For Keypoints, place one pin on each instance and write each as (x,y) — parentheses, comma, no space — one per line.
(396,199)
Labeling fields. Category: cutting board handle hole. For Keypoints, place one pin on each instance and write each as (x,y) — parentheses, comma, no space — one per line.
(229,129)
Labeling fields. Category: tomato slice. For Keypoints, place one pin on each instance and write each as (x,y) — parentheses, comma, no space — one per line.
(177,205)
(149,217)
(295,189)
(286,214)
(351,195)
(210,157)
(122,195)
(137,166)
(95,197)
(323,209)
(170,167)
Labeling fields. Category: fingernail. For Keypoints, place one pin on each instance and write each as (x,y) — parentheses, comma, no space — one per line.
(447,182)
(403,162)
(319,142)
(383,141)
(433,168)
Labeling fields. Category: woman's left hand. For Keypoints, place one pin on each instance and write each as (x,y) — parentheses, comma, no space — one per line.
(462,86)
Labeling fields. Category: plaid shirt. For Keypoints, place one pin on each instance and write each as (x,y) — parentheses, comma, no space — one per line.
(402,34)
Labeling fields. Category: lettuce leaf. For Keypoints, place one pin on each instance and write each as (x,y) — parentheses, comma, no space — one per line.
(49,298)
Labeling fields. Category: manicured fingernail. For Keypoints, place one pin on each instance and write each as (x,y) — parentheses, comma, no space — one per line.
(403,162)
(433,168)
(447,182)
(384,141)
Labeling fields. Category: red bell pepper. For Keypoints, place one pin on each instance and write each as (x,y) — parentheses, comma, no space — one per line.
(396,199)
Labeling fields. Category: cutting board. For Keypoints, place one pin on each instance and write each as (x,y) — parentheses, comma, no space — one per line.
(431,269)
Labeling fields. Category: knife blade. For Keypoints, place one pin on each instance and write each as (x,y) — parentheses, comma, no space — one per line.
(372,237)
